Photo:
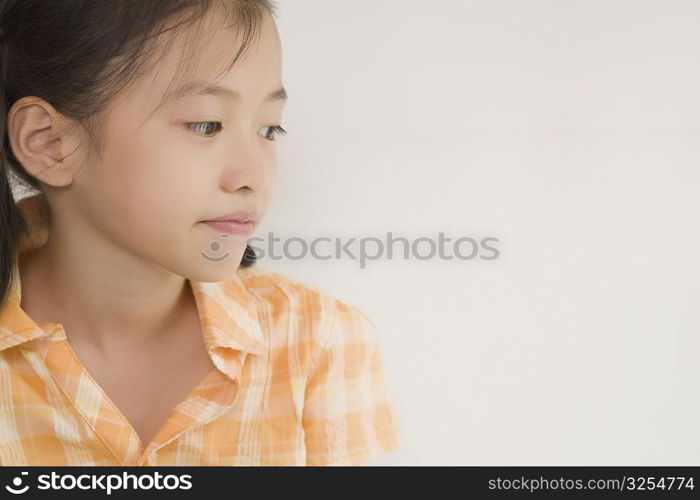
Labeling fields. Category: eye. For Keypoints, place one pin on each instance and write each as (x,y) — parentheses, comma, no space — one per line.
(207,129)
(205,126)
(275,129)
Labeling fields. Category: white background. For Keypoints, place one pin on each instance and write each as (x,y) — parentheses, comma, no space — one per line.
(570,131)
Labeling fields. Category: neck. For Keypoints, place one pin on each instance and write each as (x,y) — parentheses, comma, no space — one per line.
(106,297)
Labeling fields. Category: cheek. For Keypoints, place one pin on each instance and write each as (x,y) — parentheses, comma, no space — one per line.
(145,190)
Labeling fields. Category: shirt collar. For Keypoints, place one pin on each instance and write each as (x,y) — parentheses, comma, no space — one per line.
(227,310)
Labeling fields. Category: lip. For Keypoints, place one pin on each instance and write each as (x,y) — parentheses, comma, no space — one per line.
(237,216)
(230,226)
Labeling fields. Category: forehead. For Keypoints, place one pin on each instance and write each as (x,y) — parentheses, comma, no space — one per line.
(201,88)
(193,64)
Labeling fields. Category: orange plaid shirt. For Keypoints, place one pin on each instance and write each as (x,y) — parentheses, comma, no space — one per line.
(299,382)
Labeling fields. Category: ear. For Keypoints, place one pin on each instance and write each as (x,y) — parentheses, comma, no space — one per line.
(41,141)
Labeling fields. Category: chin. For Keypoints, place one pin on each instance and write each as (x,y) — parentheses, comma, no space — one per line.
(220,268)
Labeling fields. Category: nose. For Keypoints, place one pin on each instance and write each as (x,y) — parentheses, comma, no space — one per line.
(250,166)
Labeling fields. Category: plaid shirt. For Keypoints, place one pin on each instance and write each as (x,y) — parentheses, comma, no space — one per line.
(299,381)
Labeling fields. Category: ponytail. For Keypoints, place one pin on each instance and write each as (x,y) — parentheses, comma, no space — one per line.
(12,222)
(249,257)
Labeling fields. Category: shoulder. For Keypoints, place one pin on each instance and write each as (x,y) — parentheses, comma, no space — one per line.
(294,304)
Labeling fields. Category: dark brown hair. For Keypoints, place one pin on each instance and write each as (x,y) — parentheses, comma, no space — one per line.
(77,55)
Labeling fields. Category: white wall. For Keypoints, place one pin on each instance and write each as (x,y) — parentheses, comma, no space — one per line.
(570,130)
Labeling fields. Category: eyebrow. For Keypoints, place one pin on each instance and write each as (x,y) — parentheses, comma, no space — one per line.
(205,88)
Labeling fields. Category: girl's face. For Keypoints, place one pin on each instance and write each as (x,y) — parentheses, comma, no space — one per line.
(197,157)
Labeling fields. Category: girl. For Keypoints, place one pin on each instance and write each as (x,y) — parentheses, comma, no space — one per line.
(135,328)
